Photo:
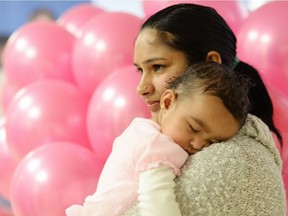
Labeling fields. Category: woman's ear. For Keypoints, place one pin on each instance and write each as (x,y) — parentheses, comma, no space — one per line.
(167,99)
(214,56)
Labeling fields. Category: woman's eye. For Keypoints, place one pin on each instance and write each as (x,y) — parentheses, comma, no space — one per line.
(157,67)
(139,70)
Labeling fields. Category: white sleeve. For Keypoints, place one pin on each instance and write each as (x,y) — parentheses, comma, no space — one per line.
(156,192)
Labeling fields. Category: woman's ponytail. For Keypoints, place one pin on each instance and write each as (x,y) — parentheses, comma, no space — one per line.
(262,106)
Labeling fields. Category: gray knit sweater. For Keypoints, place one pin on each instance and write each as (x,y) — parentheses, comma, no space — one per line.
(238,177)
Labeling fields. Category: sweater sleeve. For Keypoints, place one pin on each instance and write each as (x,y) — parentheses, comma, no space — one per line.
(156,192)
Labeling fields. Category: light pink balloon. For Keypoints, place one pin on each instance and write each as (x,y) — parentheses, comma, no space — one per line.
(151,7)
(233,12)
(53,177)
(280,116)
(76,17)
(105,45)
(262,42)
(6,212)
(39,50)
(112,107)
(9,89)
(46,111)
(7,162)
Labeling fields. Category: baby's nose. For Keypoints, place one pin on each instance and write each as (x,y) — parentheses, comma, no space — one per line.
(198,144)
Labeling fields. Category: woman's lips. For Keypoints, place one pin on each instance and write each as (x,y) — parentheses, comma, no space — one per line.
(153,105)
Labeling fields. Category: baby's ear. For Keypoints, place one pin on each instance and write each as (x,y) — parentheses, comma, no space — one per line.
(167,99)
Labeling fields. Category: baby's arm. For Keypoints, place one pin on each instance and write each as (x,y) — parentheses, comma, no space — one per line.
(156,192)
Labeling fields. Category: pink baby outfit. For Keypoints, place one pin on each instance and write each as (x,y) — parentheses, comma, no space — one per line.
(139,148)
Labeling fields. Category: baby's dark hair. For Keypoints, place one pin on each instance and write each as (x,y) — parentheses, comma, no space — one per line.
(218,80)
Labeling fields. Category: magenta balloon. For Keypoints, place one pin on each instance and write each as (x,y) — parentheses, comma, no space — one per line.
(262,42)
(46,111)
(39,50)
(76,17)
(112,107)
(106,44)
(52,178)
(7,162)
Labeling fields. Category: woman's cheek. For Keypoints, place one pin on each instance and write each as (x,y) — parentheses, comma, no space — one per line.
(160,85)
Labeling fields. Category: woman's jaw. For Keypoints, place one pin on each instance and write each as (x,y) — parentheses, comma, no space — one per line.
(153,105)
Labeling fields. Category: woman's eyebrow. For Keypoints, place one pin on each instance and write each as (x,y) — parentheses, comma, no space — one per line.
(150,60)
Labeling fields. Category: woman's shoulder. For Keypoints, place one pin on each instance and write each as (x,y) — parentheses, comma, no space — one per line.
(241,176)
(237,177)
(253,142)
(251,148)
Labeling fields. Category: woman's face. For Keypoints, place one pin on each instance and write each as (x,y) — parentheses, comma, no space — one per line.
(158,64)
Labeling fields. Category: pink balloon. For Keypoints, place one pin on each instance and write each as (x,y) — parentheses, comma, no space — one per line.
(277,143)
(112,107)
(280,114)
(262,41)
(233,12)
(151,7)
(53,177)
(7,162)
(46,111)
(76,17)
(6,212)
(106,44)
(39,50)
(9,89)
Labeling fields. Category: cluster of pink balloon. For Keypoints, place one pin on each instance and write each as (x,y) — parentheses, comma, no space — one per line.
(70,91)
(54,145)
(234,12)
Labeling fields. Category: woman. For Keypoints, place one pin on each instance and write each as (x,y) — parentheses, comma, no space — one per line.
(241,176)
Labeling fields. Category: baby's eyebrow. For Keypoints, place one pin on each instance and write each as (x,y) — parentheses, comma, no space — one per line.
(202,124)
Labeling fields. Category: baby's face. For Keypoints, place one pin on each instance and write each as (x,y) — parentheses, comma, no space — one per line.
(197,122)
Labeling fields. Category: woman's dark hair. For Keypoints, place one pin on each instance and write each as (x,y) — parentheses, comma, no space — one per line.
(196,30)
(216,79)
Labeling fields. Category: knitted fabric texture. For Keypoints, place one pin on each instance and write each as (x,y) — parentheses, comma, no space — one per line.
(238,177)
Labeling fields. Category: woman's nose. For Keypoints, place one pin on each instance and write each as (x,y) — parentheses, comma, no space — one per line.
(144,88)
